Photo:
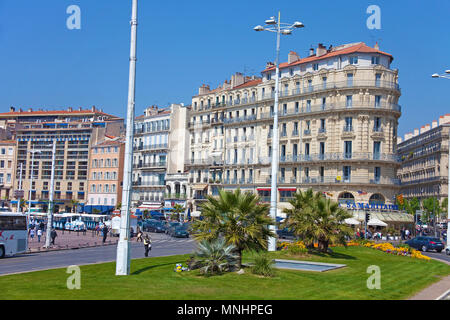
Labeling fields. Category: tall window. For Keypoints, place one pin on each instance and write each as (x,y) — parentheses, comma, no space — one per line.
(349,101)
(376,150)
(348,124)
(347,170)
(348,149)
(377,101)
(350,79)
(377,174)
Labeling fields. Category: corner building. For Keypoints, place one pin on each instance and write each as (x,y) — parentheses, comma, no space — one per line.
(338,118)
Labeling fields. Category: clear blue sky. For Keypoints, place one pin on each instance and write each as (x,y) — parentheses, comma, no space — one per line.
(183,44)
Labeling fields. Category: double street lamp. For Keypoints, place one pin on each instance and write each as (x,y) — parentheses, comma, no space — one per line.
(446,76)
(274,25)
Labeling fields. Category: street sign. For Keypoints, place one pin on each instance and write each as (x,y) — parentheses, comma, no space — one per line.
(19,193)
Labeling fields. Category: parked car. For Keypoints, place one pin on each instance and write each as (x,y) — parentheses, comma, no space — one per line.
(154,226)
(447,251)
(426,243)
(285,234)
(180,231)
(171,224)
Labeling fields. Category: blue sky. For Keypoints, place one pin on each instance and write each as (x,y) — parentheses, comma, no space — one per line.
(183,44)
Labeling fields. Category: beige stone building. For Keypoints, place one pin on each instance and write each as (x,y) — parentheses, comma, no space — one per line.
(7,169)
(160,150)
(338,118)
(75,131)
(424,161)
(105,175)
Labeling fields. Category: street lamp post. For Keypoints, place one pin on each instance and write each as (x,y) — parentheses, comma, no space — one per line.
(123,246)
(50,199)
(19,199)
(446,76)
(279,28)
(33,151)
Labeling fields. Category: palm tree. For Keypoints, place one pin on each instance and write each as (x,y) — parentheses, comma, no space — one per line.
(74,203)
(238,218)
(177,210)
(316,219)
(214,257)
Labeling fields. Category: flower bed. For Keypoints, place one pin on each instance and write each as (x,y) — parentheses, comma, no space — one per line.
(299,247)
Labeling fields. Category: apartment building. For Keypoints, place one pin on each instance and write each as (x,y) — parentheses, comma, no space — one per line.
(424,160)
(159,149)
(7,167)
(75,131)
(338,118)
(105,175)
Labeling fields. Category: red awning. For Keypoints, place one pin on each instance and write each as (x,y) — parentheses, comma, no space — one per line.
(287,189)
(263,189)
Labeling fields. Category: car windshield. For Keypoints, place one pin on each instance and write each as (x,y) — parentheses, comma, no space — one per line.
(434,239)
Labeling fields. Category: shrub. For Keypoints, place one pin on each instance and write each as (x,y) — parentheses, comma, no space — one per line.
(214,257)
(262,264)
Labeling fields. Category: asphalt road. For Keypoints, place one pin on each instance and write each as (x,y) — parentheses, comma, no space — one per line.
(435,255)
(162,245)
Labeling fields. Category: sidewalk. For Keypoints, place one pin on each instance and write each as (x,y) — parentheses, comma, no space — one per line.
(439,290)
(70,240)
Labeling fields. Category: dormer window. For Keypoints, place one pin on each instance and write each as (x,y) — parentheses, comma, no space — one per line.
(315,66)
(268,76)
(353,60)
(375,60)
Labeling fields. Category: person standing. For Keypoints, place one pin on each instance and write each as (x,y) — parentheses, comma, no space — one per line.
(53,236)
(39,234)
(147,244)
(105,233)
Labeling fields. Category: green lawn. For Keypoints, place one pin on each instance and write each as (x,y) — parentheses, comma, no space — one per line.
(153,278)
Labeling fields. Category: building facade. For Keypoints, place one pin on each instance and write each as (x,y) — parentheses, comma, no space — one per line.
(424,161)
(75,132)
(159,150)
(105,176)
(7,170)
(338,118)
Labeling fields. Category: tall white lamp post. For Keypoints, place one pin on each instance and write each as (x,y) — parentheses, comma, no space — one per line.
(50,199)
(279,28)
(446,76)
(123,247)
(33,151)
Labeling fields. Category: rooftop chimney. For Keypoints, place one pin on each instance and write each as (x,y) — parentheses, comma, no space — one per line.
(376,46)
(93,109)
(321,50)
(69,109)
(408,136)
(311,52)
(237,79)
(416,132)
(434,124)
(204,89)
(293,57)
(399,140)
(12,109)
(30,110)
(80,109)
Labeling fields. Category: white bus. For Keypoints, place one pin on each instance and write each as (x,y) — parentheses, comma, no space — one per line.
(13,234)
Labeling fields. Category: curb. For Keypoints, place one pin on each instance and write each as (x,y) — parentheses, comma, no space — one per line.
(31,251)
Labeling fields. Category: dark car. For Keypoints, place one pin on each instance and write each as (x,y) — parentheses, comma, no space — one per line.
(426,243)
(285,234)
(170,225)
(154,226)
(179,232)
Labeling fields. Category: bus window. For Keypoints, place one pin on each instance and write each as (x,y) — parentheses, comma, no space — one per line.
(13,223)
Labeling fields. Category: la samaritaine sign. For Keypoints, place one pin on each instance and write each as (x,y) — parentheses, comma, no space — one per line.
(367,206)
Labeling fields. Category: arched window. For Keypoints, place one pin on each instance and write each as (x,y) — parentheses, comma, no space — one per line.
(346,197)
(376,199)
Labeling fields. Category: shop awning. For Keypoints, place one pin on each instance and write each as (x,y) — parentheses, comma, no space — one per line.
(263,189)
(287,189)
(352,221)
(376,223)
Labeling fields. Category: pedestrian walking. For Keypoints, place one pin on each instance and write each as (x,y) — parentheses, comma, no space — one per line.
(32,234)
(105,233)
(147,244)
(39,234)
(139,235)
(53,236)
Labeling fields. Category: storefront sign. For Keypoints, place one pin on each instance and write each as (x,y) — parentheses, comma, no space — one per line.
(367,206)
